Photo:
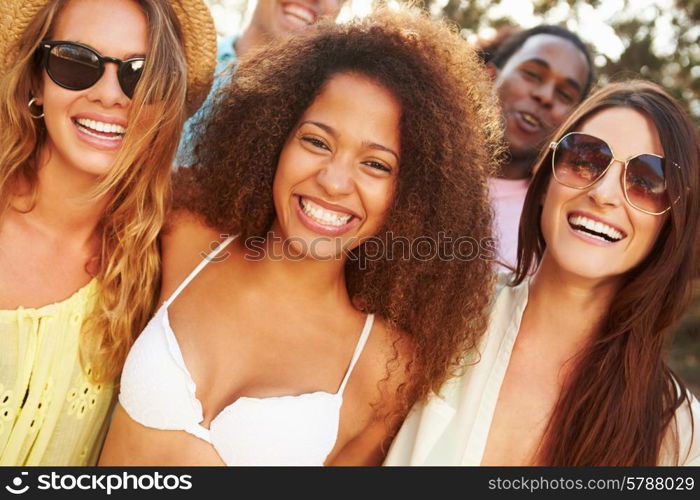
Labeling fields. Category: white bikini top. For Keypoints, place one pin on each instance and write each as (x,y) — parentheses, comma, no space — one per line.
(158,391)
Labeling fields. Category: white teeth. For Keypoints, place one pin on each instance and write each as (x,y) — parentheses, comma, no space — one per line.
(530,119)
(322,215)
(107,128)
(300,13)
(596,226)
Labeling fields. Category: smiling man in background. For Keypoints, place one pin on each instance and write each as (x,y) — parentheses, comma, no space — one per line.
(279,18)
(271,20)
(540,75)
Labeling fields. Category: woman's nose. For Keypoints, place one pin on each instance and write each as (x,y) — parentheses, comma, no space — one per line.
(608,190)
(336,177)
(107,90)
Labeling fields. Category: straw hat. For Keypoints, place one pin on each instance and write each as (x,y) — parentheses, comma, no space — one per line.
(197,29)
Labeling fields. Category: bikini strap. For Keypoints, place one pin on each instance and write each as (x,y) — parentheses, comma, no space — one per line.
(358,350)
(208,258)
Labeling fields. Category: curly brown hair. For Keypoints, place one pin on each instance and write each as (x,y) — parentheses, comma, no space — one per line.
(449,136)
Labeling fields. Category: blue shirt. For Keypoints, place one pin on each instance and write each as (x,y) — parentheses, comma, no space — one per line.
(225,68)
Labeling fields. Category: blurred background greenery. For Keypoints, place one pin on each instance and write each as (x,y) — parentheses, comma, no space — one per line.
(654,39)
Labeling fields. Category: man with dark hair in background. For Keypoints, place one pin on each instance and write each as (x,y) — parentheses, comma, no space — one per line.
(540,74)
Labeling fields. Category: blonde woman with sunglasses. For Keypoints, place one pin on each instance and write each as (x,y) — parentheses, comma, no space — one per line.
(93,94)
(571,370)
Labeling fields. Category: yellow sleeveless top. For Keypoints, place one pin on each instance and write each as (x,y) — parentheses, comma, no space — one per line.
(50,413)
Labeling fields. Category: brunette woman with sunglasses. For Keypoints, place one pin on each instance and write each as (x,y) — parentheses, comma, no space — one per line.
(571,371)
(93,94)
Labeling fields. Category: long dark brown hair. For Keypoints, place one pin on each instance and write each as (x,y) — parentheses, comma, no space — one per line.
(618,402)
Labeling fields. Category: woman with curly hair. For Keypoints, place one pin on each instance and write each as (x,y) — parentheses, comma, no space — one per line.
(571,371)
(298,340)
(86,146)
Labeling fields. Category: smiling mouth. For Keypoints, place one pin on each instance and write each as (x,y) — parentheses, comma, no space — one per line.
(322,215)
(531,119)
(100,130)
(595,229)
(299,14)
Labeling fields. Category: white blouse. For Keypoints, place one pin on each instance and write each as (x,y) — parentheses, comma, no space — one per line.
(452,428)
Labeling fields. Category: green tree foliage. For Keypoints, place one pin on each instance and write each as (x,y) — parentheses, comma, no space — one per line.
(660,40)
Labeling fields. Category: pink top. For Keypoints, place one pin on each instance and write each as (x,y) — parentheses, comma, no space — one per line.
(507,198)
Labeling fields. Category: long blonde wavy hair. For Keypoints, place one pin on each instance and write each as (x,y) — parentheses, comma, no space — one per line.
(137,188)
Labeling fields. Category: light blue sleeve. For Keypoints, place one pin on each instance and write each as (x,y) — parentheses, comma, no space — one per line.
(225,68)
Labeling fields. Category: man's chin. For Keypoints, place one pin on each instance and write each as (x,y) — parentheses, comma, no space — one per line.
(522,152)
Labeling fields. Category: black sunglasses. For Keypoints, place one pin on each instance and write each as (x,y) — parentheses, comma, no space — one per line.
(75,66)
(580,160)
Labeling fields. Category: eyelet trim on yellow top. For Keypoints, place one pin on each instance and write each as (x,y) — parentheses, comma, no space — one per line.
(50,413)
(83,398)
(41,408)
(7,413)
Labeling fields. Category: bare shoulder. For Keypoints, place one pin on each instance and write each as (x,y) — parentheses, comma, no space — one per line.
(185,240)
(386,380)
(393,353)
(396,353)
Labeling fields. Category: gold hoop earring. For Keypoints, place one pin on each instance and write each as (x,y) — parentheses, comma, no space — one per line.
(32,102)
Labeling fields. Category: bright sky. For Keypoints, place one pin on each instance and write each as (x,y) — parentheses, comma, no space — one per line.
(594,26)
